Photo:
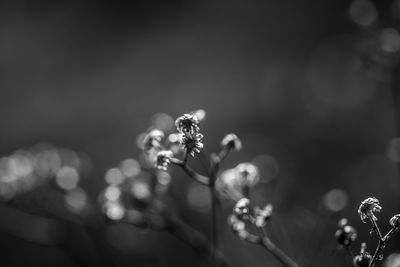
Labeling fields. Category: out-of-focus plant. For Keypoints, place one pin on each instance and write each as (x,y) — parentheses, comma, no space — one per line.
(138,199)
(346,234)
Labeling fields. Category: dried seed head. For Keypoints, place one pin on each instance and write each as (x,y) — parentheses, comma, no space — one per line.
(368,207)
(187,123)
(192,143)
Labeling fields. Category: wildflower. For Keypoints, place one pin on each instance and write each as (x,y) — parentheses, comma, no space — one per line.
(163,159)
(262,215)
(231,141)
(237,226)
(346,234)
(395,220)
(368,207)
(242,208)
(248,174)
(187,124)
(192,143)
(152,140)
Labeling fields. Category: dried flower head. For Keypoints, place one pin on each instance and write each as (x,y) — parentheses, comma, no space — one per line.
(368,207)
(232,142)
(192,143)
(242,208)
(395,220)
(152,140)
(187,123)
(237,226)
(263,215)
(248,174)
(345,234)
(163,159)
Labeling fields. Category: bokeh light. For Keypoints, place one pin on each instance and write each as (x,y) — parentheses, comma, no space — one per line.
(393,260)
(363,12)
(130,167)
(114,176)
(335,200)
(198,197)
(67,178)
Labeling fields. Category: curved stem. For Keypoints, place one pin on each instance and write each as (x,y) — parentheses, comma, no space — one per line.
(190,172)
(264,241)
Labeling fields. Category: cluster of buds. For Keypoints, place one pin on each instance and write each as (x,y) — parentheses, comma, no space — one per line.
(244,213)
(188,139)
(345,234)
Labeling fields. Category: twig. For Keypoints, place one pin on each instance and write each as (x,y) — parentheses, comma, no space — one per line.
(266,243)
(381,241)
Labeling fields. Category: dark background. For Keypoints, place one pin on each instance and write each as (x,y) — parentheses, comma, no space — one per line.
(312,84)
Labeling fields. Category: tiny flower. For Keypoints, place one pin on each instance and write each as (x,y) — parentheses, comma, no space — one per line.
(262,215)
(395,220)
(187,124)
(231,141)
(368,207)
(237,226)
(346,234)
(192,143)
(248,174)
(242,208)
(152,140)
(163,159)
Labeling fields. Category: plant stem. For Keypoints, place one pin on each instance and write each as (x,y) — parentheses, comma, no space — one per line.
(190,172)
(381,241)
(265,242)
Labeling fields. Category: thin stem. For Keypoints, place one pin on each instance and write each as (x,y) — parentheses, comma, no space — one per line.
(381,241)
(215,207)
(390,233)
(266,243)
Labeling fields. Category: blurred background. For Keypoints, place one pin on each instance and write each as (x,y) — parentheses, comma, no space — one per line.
(311,88)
